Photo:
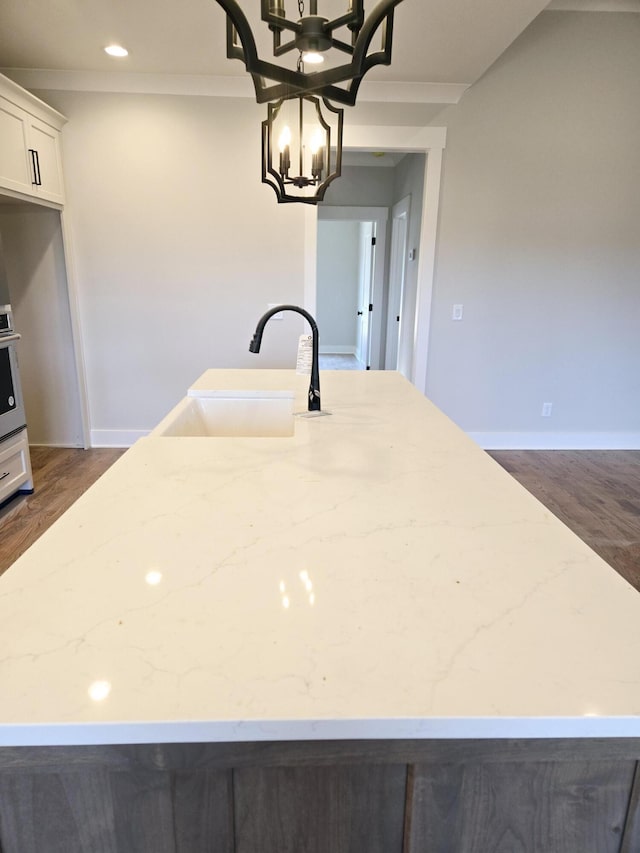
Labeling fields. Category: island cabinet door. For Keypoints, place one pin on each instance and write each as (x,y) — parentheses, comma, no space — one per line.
(106,811)
(533,807)
(335,809)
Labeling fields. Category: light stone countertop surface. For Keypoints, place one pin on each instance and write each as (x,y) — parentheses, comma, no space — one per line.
(376,575)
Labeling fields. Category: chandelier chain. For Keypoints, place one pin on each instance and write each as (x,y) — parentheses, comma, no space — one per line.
(301,8)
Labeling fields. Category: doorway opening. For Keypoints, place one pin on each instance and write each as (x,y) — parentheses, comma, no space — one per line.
(376,329)
(429,141)
(351,259)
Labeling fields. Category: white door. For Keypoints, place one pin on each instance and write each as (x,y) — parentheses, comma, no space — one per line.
(397,270)
(365,298)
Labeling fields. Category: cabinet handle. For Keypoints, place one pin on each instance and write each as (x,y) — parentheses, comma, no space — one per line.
(6,474)
(35,163)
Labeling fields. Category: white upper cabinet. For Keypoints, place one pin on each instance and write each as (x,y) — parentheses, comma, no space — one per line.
(46,159)
(14,168)
(30,150)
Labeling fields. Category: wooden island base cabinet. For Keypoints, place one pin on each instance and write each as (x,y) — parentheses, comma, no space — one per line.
(356,635)
(533,796)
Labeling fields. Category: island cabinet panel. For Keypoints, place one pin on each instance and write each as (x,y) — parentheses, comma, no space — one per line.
(100,811)
(631,840)
(562,807)
(203,812)
(57,813)
(320,809)
(313,797)
(142,803)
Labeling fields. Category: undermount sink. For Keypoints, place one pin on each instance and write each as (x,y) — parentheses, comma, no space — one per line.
(254,416)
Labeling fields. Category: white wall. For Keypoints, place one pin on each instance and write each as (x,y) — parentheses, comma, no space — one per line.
(540,239)
(337,284)
(361,186)
(179,248)
(32,238)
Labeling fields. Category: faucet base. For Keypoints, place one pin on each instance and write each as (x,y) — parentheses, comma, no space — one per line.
(308,415)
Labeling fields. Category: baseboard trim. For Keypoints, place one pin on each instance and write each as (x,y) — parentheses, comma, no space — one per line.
(116,437)
(62,445)
(557,440)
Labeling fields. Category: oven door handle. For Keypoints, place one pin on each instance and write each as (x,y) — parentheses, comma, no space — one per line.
(13,338)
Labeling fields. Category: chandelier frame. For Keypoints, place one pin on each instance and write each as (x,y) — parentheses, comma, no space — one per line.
(288,83)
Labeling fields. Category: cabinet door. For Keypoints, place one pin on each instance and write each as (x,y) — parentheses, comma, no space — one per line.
(44,140)
(14,164)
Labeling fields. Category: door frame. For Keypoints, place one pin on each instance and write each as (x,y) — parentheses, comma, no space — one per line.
(397,258)
(378,215)
(411,140)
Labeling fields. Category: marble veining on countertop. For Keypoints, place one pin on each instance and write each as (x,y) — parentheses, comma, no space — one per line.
(376,575)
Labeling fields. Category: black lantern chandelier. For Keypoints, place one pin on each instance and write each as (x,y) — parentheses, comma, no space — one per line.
(309,141)
(307,150)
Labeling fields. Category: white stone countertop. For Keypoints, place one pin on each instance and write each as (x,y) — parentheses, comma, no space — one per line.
(376,575)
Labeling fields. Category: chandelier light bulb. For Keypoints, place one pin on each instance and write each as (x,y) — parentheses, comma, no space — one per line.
(313,57)
(317,155)
(285,155)
(316,141)
(285,138)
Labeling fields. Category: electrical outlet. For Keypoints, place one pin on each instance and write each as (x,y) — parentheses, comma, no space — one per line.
(456,314)
(546,410)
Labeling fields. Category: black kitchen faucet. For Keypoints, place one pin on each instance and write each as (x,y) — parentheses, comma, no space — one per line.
(254,346)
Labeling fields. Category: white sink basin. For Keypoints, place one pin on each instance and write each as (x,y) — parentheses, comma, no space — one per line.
(269,416)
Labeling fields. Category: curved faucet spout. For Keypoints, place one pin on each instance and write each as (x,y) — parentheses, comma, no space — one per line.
(256,341)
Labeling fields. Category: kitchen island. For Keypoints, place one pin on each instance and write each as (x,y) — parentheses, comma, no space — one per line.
(361,636)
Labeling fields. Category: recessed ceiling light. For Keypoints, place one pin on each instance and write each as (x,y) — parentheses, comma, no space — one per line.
(116,50)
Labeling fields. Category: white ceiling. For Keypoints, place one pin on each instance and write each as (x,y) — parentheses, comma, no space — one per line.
(436,41)
(440,46)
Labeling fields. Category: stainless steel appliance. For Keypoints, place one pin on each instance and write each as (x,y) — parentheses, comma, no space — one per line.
(15,465)
(12,416)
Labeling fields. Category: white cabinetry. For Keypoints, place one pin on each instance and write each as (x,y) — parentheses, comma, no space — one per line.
(30,155)
(15,466)
(14,171)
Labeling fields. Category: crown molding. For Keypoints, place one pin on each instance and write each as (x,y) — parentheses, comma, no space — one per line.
(411,93)
(15,92)
(124,82)
(389,138)
(216,87)
(594,6)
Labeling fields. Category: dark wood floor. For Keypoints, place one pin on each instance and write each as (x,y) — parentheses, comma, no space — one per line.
(595,493)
